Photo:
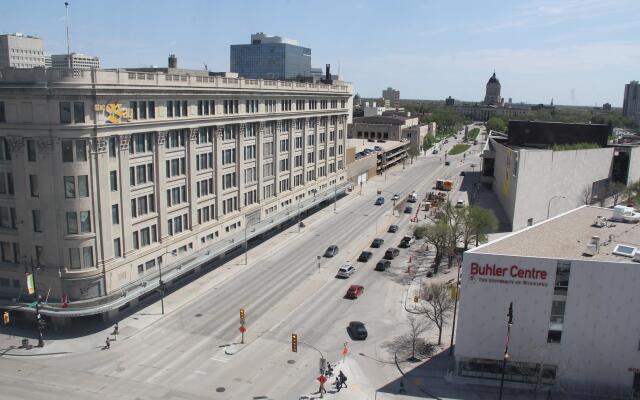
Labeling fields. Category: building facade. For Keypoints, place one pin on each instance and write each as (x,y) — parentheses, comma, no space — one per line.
(270,57)
(106,174)
(392,96)
(573,285)
(492,94)
(21,51)
(78,61)
(393,128)
(631,102)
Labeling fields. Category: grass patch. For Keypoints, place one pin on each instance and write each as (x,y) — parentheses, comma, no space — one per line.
(473,134)
(458,149)
(575,146)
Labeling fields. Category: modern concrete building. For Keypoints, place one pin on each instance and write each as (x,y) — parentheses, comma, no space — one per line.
(108,175)
(533,178)
(392,96)
(271,57)
(21,51)
(393,128)
(78,61)
(631,102)
(573,283)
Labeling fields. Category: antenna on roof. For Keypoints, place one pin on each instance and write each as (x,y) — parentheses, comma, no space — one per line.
(66,11)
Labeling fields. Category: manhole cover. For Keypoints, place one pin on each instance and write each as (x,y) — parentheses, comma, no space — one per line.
(198,315)
(220,389)
(291,361)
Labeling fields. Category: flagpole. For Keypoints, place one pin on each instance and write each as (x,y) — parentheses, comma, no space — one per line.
(35,292)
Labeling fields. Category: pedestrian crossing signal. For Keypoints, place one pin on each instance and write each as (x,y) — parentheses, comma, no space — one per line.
(294,343)
(5,317)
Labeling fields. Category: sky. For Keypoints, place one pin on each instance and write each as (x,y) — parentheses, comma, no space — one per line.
(578,52)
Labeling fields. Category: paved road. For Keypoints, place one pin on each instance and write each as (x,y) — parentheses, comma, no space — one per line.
(184,355)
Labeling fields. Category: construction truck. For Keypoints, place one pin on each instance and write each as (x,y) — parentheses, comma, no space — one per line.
(444,184)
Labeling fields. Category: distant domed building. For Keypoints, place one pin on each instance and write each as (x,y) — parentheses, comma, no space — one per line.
(492,96)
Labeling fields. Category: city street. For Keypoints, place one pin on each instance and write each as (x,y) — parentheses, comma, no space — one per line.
(194,351)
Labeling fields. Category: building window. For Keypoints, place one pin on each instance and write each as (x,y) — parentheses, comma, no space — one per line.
(74,258)
(112,146)
(117,249)
(81,150)
(83,186)
(72,223)
(87,257)
(267,170)
(558,303)
(33,186)
(78,112)
(3,116)
(115,214)
(5,153)
(36,220)
(229,180)
(113,179)
(69,187)
(65,112)
(67,151)
(228,156)
(31,150)
(6,183)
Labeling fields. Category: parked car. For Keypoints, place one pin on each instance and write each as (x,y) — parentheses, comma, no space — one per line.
(377,242)
(354,291)
(378,148)
(447,163)
(395,196)
(461,173)
(459,203)
(392,229)
(435,151)
(406,241)
(365,256)
(429,274)
(391,253)
(357,330)
(408,210)
(380,201)
(331,251)
(382,265)
(346,271)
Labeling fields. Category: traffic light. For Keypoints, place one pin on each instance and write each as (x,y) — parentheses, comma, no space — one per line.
(242,314)
(294,342)
(5,317)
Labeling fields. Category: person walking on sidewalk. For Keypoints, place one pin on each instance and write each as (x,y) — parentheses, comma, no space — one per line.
(107,344)
(338,384)
(115,329)
(343,379)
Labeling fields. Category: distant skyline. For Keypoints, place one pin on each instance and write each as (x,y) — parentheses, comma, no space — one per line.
(578,52)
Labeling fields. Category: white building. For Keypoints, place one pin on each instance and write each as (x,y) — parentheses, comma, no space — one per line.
(21,51)
(78,61)
(575,288)
(106,174)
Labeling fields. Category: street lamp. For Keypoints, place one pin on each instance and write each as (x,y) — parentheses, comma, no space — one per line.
(161,284)
(39,321)
(549,204)
(506,347)
(455,306)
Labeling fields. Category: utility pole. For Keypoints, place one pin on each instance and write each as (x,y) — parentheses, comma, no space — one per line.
(335,194)
(455,307)
(66,10)
(246,243)
(506,347)
(39,321)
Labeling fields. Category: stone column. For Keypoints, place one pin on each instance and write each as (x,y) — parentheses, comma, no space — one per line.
(125,195)
(240,165)
(304,150)
(217,159)
(291,156)
(160,183)
(191,176)
(101,200)
(276,156)
(259,157)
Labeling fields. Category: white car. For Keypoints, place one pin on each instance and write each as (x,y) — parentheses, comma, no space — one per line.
(460,204)
(346,271)
(395,196)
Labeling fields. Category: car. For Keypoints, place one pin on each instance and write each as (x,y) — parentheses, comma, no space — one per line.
(382,265)
(429,274)
(331,251)
(380,201)
(392,229)
(406,241)
(365,256)
(354,291)
(378,148)
(377,242)
(435,151)
(368,151)
(408,210)
(475,142)
(461,173)
(447,163)
(446,141)
(357,330)
(346,271)
(391,253)
(459,203)
(395,196)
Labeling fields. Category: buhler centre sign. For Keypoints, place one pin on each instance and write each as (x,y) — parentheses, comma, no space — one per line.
(512,275)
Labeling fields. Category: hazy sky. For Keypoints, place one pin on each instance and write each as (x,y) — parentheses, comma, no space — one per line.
(578,52)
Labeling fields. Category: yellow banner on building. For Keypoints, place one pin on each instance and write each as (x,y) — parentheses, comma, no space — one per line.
(30,285)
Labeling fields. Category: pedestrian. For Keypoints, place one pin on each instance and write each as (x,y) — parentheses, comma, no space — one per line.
(322,390)
(329,370)
(115,329)
(343,379)
(338,384)
(108,344)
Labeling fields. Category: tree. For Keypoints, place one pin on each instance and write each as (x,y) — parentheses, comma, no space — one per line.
(412,152)
(436,304)
(616,190)
(586,195)
(496,124)
(479,222)
(436,235)
(417,326)
(633,193)
(428,141)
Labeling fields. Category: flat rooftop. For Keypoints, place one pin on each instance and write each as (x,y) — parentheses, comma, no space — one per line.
(361,144)
(567,236)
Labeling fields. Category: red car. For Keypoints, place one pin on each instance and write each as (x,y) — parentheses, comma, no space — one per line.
(354,291)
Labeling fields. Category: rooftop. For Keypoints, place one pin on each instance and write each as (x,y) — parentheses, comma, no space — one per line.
(567,236)
(382,120)
(361,144)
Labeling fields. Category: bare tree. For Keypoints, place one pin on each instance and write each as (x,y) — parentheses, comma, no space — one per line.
(616,190)
(586,195)
(417,326)
(436,304)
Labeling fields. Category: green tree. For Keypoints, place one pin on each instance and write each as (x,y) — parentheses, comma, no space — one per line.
(478,223)
(496,124)
(428,141)
(412,152)
(436,235)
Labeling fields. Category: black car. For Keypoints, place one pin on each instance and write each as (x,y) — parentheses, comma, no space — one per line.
(331,251)
(382,265)
(365,256)
(408,210)
(404,244)
(377,242)
(392,228)
(447,163)
(357,330)
(391,253)
(429,274)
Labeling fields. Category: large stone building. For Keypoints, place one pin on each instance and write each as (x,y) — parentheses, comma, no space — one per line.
(21,51)
(631,103)
(492,94)
(271,57)
(108,175)
(78,61)
(392,96)
(394,128)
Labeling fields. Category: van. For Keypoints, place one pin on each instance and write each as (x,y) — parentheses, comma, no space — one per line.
(413,197)
(391,253)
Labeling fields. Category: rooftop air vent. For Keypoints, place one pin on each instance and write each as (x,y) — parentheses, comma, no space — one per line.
(625,250)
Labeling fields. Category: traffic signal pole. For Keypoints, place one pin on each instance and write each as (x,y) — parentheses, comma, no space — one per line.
(35,292)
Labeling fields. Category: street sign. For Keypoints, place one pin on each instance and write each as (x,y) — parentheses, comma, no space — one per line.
(242,329)
(322,379)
